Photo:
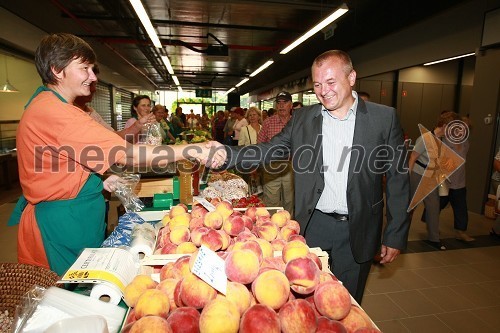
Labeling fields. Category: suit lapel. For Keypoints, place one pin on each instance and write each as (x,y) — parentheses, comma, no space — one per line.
(360,128)
(317,124)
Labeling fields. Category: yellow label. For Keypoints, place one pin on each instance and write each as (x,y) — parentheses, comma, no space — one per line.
(85,276)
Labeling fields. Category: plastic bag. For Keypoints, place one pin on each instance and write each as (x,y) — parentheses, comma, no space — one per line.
(125,187)
(151,134)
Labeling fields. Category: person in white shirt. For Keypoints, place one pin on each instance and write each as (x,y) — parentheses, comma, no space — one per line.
(239,123)
(248,134)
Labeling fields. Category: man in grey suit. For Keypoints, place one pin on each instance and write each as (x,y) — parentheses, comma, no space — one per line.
(340,150)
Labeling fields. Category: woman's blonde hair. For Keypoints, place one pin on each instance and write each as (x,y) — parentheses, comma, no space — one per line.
(253,108)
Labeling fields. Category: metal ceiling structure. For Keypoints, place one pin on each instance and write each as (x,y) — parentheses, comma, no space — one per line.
(216,43)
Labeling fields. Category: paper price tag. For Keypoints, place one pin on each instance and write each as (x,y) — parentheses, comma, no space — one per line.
(204,202)
(209,267)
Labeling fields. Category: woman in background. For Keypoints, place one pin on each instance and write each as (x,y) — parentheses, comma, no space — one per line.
(141,108)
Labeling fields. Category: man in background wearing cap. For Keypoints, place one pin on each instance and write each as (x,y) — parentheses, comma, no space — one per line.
(278,176)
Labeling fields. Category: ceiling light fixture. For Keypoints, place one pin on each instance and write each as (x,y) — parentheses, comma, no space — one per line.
(241,82)
(179,88)
(229,91)
(176,80)
(167,63)
(261,68)
(146,23)
(7,87)
(332,17)
(448,59)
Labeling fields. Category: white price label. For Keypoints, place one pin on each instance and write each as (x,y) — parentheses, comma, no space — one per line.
(211,268)
(204,202)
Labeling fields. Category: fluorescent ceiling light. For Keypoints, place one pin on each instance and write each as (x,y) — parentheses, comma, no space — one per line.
(242,81)
(230,90)
(176,80)
(448,59)
(333,16)
(261,68)
(179,88)
(146,23)
(167,63)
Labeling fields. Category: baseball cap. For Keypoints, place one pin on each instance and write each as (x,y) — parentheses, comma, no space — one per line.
(284,96)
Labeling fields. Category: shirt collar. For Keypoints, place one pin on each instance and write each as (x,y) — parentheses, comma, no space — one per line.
(352,109)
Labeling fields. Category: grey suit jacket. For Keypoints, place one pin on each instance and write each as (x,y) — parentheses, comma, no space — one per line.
(378,149)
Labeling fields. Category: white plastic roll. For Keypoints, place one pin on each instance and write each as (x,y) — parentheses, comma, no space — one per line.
(142,245)
(108,290)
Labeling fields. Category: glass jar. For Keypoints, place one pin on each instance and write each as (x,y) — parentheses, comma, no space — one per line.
(185,168)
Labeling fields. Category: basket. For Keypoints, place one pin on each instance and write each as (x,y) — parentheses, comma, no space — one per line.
(17,279)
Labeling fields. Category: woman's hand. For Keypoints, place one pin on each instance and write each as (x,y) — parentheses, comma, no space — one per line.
(110,183)
(150,118)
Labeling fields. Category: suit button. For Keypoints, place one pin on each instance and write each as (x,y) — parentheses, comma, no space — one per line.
(320,191)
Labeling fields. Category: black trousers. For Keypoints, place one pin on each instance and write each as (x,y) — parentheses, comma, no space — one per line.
(332,236)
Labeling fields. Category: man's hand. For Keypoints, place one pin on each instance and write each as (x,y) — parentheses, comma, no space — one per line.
(388,254)
(213,154)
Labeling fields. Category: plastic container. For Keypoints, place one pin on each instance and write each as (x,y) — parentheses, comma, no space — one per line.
(86,324)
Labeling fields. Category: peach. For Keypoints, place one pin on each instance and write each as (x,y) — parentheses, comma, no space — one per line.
(212,239)
(294,225)
(297,316)
(136,287)
(332,300)
(177,210)
(181,265)
(248,222)
(266,247)
(151,324)
(245,235)
(326,325)
(297,237)
(239,295)
(286,213)
(280,218)
(168,287)
(219,315)
(262,211)
(234,225)
(287,231)
(278,244)
(196,235)
(316,259)
(242,266)
(224,208)
(260,318)
(250,245)
(213,220)
(180,220)
(163,237)
(303,274)
(326,276)
(198,211)
(310,299)
(169,248)
(263,219)
(167,272)
(185,320)
(195,292)
(152,302)
(271,288)
(186,248)
(165,220)
(250,212)
(294,249)
(267,231)
(367,330)
(177,295)
(215,201)
(196,223)
(226,239)
(179,234)
(236,213)
(356,319)
(273,263)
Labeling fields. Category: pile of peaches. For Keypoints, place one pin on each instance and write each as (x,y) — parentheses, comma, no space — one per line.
(275,283)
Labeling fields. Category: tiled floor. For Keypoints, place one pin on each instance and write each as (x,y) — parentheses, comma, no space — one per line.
(424,290)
